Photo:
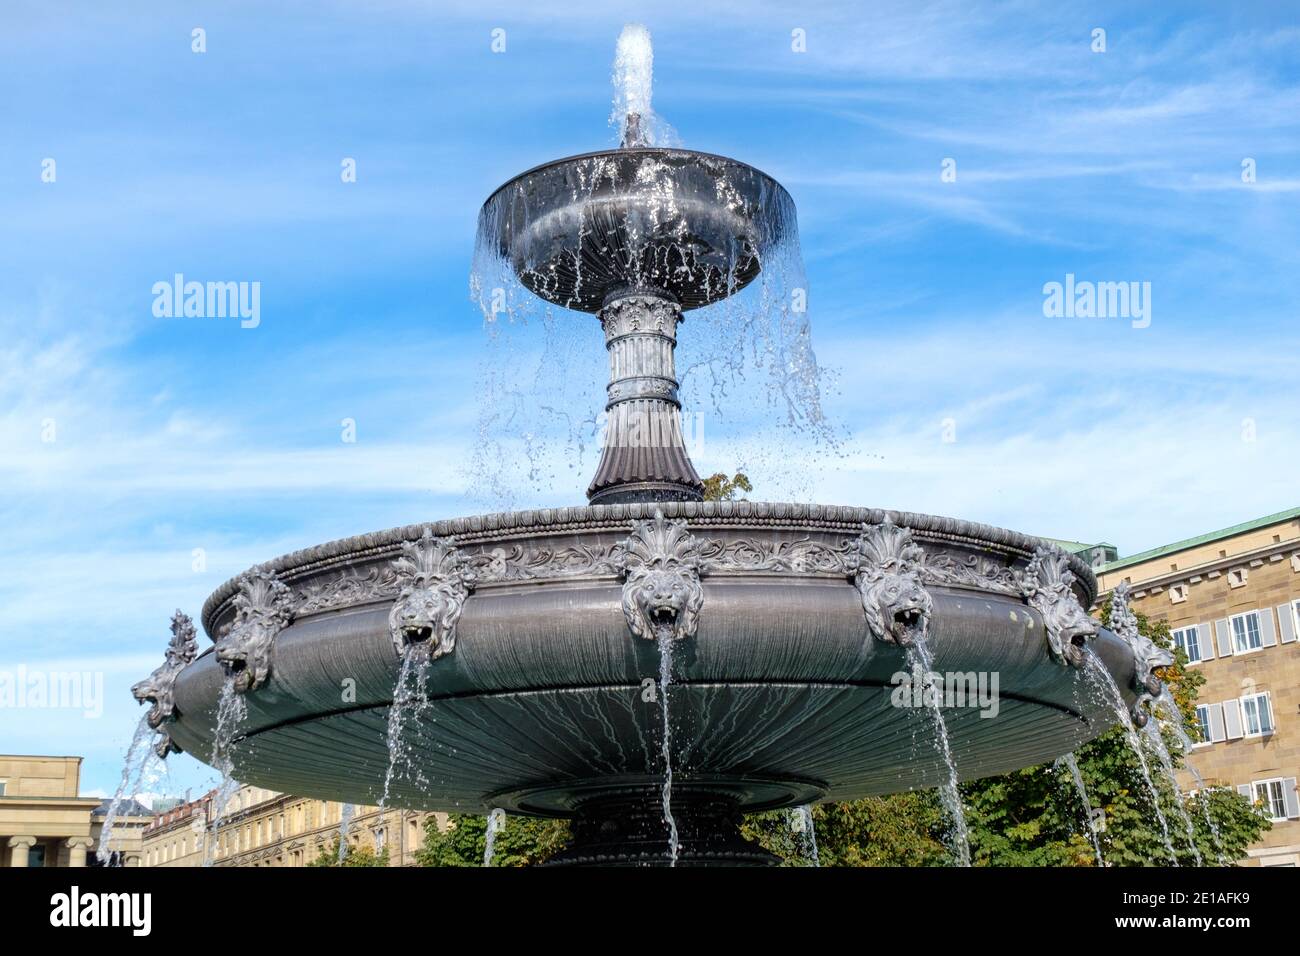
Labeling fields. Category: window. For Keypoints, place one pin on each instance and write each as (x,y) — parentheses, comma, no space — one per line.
(2,787)
(1257,715)
(379,840)
(1188,640)
(1272,796)
(1203,719)
(1245,632)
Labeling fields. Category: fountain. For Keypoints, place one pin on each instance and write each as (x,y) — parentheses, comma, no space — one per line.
(649,665)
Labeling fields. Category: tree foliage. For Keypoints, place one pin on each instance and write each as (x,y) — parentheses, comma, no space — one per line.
(523,841)
(328,855)
(718,487)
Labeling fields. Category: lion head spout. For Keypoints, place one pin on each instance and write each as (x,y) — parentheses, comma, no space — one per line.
(263,607)
(158,689)
(887,570)
(1148,656)
(662,594)
(1048,587)
(435,580)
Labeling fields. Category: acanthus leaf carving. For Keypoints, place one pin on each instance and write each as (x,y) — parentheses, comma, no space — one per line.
(1147,655)
(662,595)
(158,689)
(435,579)
(1048,587)
(888,570)
(263,607)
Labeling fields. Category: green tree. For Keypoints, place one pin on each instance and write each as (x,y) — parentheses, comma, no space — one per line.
(523,841)
(357,856)
(718,487)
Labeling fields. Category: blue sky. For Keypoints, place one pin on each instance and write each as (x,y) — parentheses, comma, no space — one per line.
(925,296)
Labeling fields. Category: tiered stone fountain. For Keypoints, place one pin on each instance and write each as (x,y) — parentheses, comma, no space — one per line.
(540,635)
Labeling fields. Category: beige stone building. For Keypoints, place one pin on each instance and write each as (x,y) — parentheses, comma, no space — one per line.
(45,822)
(265,828)
(1232,600)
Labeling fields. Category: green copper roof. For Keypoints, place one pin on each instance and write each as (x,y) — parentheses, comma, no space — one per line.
(1236,529)
(1074,547)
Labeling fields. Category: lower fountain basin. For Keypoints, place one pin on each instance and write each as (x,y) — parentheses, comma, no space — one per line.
(548,702)
(688,224)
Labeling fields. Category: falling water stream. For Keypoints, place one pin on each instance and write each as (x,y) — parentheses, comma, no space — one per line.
(1175,723)
(232,710)
(496,822)
(665,642)
(805,831)
(920,660)
(410,700)
(1101,678)
(141,767)
(1072,765)
(345,825)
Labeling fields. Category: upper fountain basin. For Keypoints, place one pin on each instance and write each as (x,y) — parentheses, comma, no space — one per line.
(690,225)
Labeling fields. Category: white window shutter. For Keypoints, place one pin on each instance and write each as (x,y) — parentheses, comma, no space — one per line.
(1267,636)
(1216,722)
(1244,790)
(1286,623)
(1232,719)
(1206,640)
(1292,800)
(1224,633)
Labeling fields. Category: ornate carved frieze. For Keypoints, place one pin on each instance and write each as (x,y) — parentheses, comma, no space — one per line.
(977,571)
(435,579)
(1147,655)
(264,605)
(159,687)
(1048,587)
(662,594)
(888,572)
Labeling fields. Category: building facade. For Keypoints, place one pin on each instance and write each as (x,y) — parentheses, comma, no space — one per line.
(265,828)
(45,822)
(1232,601)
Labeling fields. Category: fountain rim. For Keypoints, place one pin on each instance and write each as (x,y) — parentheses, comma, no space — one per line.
(613,517)
(625,151)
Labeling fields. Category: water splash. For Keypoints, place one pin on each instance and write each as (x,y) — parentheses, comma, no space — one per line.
(921,660)
(632,116)
(345,824)
(665,642)
(496,822)
(1069,763)
(140,769)
(805,832)
(232,711)
(410,700)
(1109,691)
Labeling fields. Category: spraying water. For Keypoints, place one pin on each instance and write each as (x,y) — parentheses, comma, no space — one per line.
(1096,671)
(665,678)
(232,710)
(633,79)
(496,822)
(805,831)
(345,824)
(921,660)
(1072,765)
(410,700)
(140,769)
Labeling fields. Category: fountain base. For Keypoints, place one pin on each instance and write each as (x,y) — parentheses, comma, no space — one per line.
(628,828)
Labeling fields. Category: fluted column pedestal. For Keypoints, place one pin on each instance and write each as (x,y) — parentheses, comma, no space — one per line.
(644,457)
